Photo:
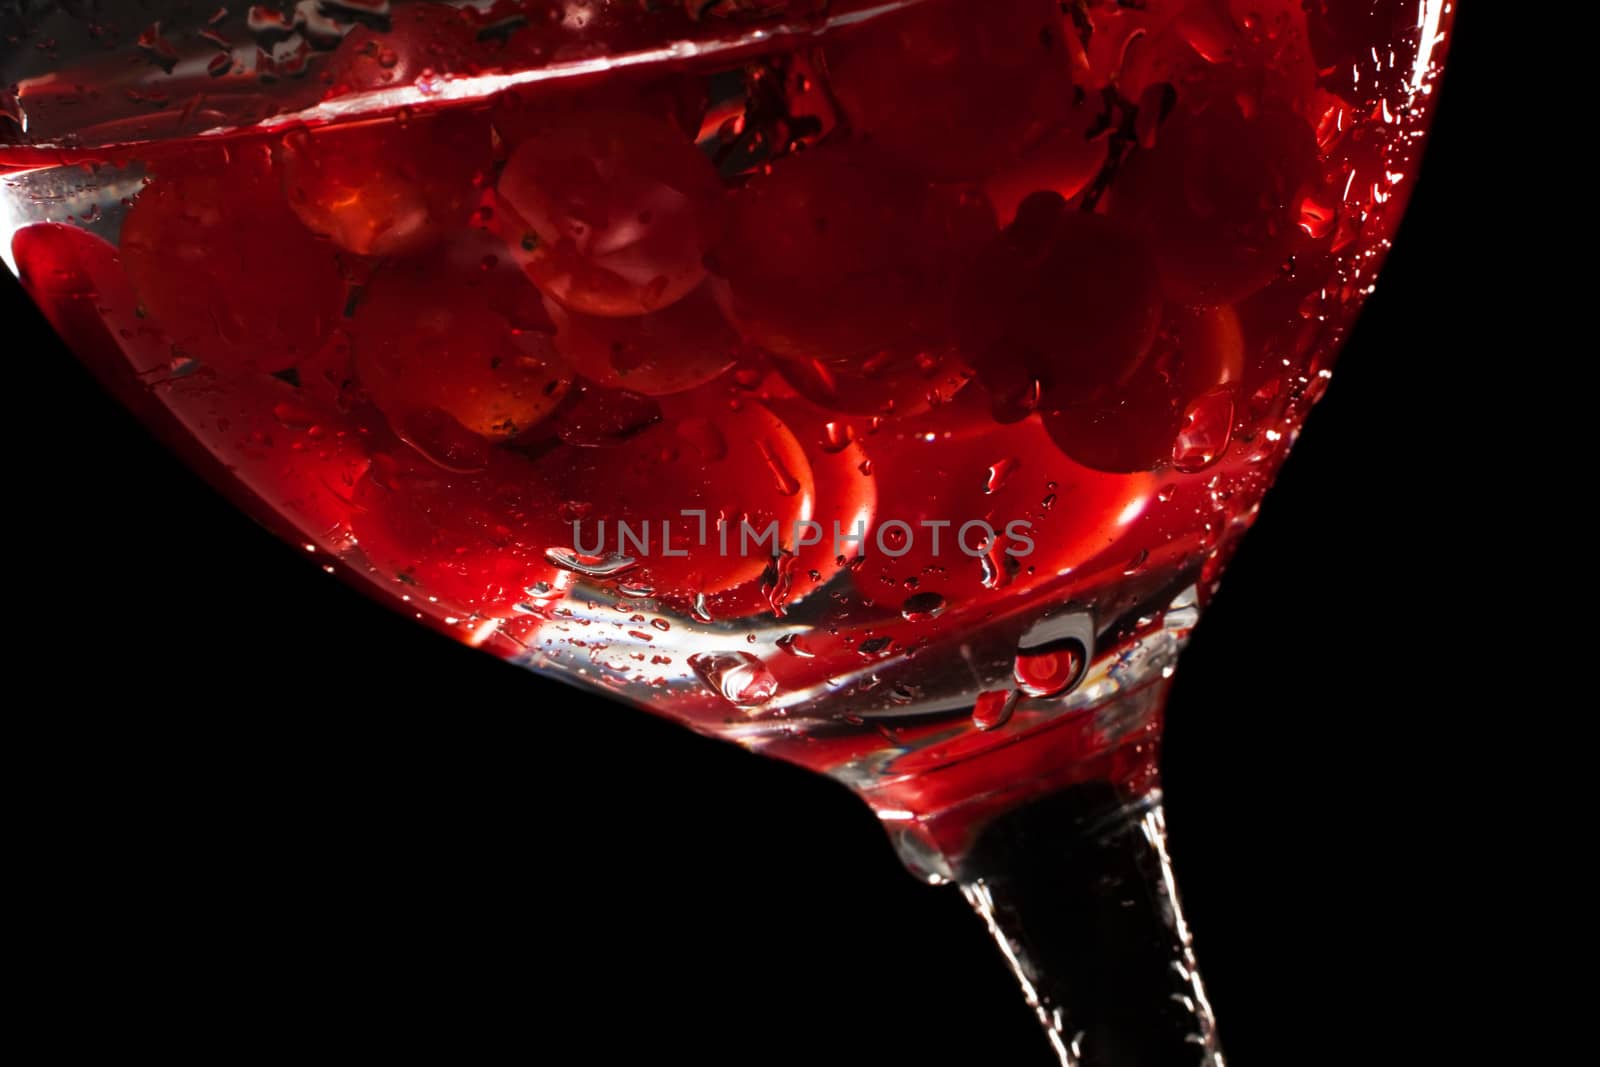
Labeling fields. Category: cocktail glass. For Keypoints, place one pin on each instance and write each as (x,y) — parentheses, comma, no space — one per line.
(877,385)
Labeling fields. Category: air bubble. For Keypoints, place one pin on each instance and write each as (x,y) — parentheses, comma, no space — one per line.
(1050,669)
(921,607)
(737,677)
(993,709)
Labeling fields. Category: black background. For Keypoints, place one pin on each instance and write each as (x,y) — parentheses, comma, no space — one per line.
(258,804)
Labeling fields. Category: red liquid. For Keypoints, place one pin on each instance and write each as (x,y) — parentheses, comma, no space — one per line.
(586,369)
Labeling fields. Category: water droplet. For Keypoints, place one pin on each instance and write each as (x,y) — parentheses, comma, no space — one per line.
(1013,404)
(993,709)
(1318,216)
(998,473)
(836,437)
(737,677)
(661,624)
(590,566)
(999,566)
(1207,429)
(794,646)
(874,646)
(777,580)
(1050,669)
(922,606)
(699,610)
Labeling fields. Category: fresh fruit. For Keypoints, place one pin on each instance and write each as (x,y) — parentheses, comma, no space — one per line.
(457,341)
(387,187)
(611,213)
(839,255)
(666,351)
(224,267)
(950,88)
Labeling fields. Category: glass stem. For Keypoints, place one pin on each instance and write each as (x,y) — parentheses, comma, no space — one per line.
(1077,890)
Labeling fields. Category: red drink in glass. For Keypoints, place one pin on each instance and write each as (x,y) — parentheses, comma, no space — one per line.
(881,386)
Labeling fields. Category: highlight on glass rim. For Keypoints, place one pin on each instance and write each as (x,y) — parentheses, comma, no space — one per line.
(880,385)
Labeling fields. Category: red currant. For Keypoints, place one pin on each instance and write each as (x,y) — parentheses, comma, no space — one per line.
(1116,33)
(1064,162)
(838,256)
(1220,196)
(389,186)
(667,351)
(967,509)
(459,334)
(1140,423)
(1256,52)
(77,280)
(737,469)
(1065,304)
(476,539)
(846,494)
(952,88)
(224,267)
(611,213)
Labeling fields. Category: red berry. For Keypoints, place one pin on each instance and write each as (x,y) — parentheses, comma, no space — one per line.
(738,465)
(1256,52)
(387,187)
(1219,196)
(1064,162)
(1063,305)
(77,280)
(952,88)
(476,539)
(461,334)
(224,267)
(846,493)
(1116,34)
(1014,513)
(1130,429)
(836,255)
(666,351)
(286,447)
(1137,424)
(611,213)
(1218,185)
